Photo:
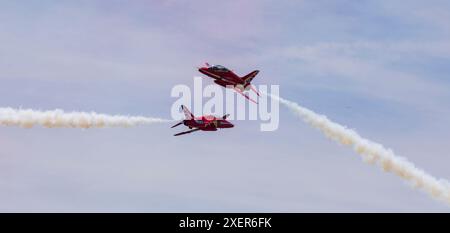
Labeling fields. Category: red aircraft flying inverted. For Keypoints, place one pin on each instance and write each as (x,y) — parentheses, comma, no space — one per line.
(204,123)
(225,77)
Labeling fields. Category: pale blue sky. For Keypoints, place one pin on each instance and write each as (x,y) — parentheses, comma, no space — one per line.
(380,67)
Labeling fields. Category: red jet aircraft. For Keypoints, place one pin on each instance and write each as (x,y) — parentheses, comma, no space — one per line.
(225,77)
(204,123)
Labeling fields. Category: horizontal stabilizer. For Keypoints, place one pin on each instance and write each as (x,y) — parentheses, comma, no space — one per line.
(177,125)
(186,132)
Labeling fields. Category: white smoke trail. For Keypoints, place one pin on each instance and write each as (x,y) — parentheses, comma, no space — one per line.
(28,118)
(372,152)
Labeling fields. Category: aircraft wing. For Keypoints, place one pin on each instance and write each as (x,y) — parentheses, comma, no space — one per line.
(254,89)
(246,96)
(186,132)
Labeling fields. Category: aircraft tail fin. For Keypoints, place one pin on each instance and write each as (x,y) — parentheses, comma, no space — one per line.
(249,77)
(187,113)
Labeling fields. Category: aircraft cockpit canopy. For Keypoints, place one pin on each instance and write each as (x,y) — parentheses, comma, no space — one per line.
(219,68)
